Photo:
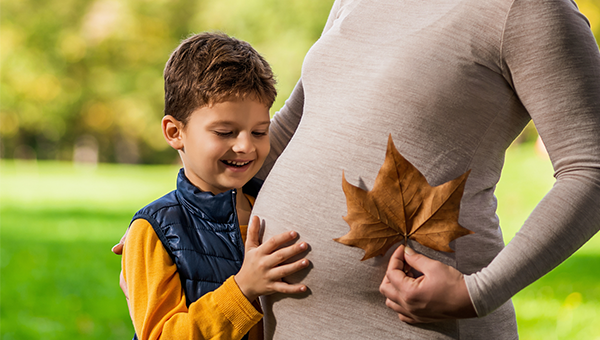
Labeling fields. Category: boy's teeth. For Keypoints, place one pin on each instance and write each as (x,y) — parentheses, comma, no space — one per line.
(236,163)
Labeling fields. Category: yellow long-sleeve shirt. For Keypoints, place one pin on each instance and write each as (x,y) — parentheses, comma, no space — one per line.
(157,301)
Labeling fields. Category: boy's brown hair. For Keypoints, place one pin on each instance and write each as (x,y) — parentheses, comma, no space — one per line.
(211,68)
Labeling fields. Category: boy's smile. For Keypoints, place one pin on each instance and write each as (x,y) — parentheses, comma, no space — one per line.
(223,145)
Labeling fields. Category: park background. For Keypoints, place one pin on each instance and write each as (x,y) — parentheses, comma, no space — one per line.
(81,150)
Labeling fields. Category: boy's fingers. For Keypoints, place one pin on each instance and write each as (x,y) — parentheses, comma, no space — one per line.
(284,254)
(277,241)
(286,288)
(289,269)
(252,237)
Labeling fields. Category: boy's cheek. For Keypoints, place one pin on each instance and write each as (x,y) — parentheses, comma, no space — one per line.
(265,148)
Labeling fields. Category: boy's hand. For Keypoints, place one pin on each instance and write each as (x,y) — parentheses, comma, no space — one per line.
(262,270)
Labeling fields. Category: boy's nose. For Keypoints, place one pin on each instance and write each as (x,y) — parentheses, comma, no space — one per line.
(243,143)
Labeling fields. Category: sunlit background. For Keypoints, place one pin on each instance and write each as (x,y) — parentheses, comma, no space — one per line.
(82,80)
(81,150)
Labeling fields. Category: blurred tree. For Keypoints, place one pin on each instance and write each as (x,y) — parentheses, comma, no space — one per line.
(88,73)
(591,9)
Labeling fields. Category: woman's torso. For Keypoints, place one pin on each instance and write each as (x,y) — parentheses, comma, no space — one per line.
(431,76)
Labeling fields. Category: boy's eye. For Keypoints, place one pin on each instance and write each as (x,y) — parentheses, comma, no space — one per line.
(223,133)
(259,133)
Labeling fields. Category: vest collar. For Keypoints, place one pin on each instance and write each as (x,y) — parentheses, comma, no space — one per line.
(219,208)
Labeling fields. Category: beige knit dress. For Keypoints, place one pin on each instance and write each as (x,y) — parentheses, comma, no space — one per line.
(454,82)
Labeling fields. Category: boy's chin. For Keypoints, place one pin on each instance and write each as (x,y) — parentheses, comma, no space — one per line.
(237,183)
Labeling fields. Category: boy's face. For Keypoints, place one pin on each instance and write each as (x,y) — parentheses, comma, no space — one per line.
(224,145)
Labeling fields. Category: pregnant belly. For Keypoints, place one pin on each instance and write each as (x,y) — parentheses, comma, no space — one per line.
(343,301)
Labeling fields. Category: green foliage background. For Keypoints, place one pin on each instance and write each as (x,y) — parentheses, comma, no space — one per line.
(75,71)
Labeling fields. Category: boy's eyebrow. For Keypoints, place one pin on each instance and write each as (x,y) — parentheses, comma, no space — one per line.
(265,122)
(233,122)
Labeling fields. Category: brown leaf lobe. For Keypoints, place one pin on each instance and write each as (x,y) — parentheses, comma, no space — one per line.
(400,206)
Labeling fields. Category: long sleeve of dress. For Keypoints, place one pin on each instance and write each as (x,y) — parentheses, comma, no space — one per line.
(554,64)
(157,301)
(454,83)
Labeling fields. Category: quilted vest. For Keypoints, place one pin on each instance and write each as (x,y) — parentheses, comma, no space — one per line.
(200,232)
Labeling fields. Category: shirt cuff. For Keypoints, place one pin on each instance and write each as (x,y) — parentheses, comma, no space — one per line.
(475,296)
(236,307)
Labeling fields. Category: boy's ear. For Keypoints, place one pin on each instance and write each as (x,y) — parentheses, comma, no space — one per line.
(172,130)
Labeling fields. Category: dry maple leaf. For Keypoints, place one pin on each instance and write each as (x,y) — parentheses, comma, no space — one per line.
(402,206)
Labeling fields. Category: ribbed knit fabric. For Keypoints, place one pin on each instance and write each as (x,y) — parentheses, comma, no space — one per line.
(454,82)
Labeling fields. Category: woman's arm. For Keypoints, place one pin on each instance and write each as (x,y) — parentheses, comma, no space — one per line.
(552,59)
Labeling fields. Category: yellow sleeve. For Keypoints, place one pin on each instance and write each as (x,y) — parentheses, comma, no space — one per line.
(157,301)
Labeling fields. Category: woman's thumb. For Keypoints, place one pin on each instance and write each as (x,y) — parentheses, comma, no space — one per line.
(416,261)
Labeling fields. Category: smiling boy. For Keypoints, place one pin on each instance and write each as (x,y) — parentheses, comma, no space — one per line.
(222,146)
(186,272)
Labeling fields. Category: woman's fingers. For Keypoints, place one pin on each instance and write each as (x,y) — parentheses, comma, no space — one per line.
(118,248)
(397,259)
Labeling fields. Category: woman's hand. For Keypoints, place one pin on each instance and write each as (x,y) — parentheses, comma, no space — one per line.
(264,268)
(118,249)
(439,294)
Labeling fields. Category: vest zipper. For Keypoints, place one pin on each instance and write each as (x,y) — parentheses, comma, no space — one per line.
(237,222)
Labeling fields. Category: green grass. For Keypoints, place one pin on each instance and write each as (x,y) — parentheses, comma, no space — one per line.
(58,222)
(59,279)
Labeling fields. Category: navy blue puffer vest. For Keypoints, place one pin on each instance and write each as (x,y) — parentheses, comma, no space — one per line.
(200,232)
